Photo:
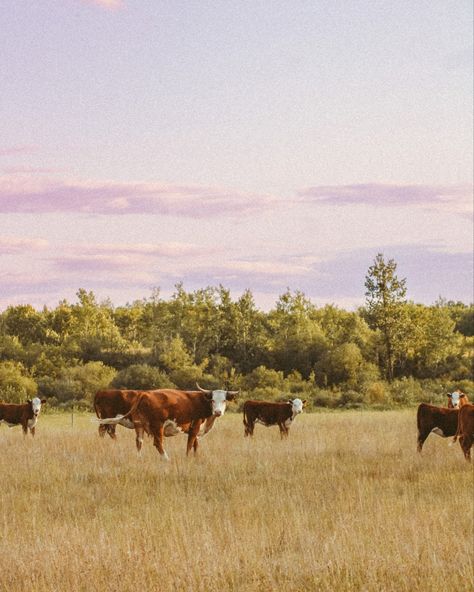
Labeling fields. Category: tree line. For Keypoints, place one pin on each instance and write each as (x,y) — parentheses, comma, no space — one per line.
(389,352)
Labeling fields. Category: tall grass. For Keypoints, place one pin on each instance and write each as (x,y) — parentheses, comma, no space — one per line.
(346,503)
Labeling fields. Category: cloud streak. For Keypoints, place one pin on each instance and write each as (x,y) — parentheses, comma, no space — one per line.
(18,245)
(25,195)
(455,198)
(107,4)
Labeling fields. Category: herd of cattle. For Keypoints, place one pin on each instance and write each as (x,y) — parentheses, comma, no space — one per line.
(168,412)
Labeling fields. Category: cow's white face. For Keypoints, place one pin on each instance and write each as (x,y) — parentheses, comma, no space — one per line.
(36,406)
(297,406)
(455,399)
(218,402)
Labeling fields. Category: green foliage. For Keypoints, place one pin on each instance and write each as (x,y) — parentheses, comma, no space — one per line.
(385,295)
(16,386)
(142,377)
(76,383)
(327,355)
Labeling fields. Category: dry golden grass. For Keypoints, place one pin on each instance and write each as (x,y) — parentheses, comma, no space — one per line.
(346,503)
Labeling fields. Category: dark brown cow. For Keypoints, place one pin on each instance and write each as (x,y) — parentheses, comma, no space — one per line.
(269,414)
(110,403)
(465,430)
(441,421)
(25,414)
(181,411)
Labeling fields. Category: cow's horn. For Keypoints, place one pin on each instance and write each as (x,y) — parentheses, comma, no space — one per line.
(233,393)
(203,390)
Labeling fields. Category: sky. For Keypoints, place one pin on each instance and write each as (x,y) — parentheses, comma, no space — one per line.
(256,145)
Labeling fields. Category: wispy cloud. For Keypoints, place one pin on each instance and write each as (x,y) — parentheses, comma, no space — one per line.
(17,245)
(26,195)
(107,4)
(456,197)
(15,150)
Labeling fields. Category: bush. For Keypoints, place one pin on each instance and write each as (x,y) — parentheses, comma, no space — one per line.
(377,393)
(142,377)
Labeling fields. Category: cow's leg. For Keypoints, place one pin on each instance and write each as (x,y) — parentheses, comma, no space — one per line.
(466,443)
(422,435)
(111,431)
(24,427)
(192,436)
(139,431)
(32,430)
(102,430)
(249,427)
(283,430)
(158,441)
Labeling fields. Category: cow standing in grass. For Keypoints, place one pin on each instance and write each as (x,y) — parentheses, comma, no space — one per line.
(175,411)
(110,403)
(442,421)
(269,414)
(25,414)
(465,430)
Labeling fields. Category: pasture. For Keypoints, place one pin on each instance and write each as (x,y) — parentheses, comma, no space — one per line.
(345,503)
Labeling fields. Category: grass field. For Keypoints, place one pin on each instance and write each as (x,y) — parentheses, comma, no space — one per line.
(346,503)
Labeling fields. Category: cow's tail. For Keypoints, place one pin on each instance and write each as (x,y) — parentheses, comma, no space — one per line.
(118,418)
(246,424)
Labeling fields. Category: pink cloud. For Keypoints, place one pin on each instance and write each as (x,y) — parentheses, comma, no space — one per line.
(15,245)
(455,197)
(21,170)
(24,195)
(107,4)
(14,150)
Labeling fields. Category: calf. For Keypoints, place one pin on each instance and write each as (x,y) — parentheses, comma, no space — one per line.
(269,414)
(25,414)
(175,411)
(465,430)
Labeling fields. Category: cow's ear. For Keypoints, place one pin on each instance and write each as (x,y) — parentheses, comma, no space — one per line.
(208,395)
(304,403)
(29,401)
(230,395)
(43,401)
(450,395)
(462,395)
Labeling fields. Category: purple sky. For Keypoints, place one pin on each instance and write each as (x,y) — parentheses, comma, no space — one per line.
(255,145)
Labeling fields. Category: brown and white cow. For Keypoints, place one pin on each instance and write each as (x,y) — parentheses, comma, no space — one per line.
(457,399)
(25,414)
(180,411)
(269,414)
(465,430)
(110,403)
(441,421)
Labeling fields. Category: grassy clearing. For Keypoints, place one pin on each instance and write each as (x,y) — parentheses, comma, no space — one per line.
(345,503)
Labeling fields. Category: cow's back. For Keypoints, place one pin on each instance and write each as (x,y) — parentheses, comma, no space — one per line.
(112,402)
(184,406)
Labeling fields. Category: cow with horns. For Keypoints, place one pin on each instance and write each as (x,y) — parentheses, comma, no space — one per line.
(110,403)
(172,411)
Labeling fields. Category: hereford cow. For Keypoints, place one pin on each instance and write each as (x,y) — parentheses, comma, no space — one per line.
(179,411)
(110,403)
(465,430)
(25,414)
(457,399)
(441,421)
(269,414)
